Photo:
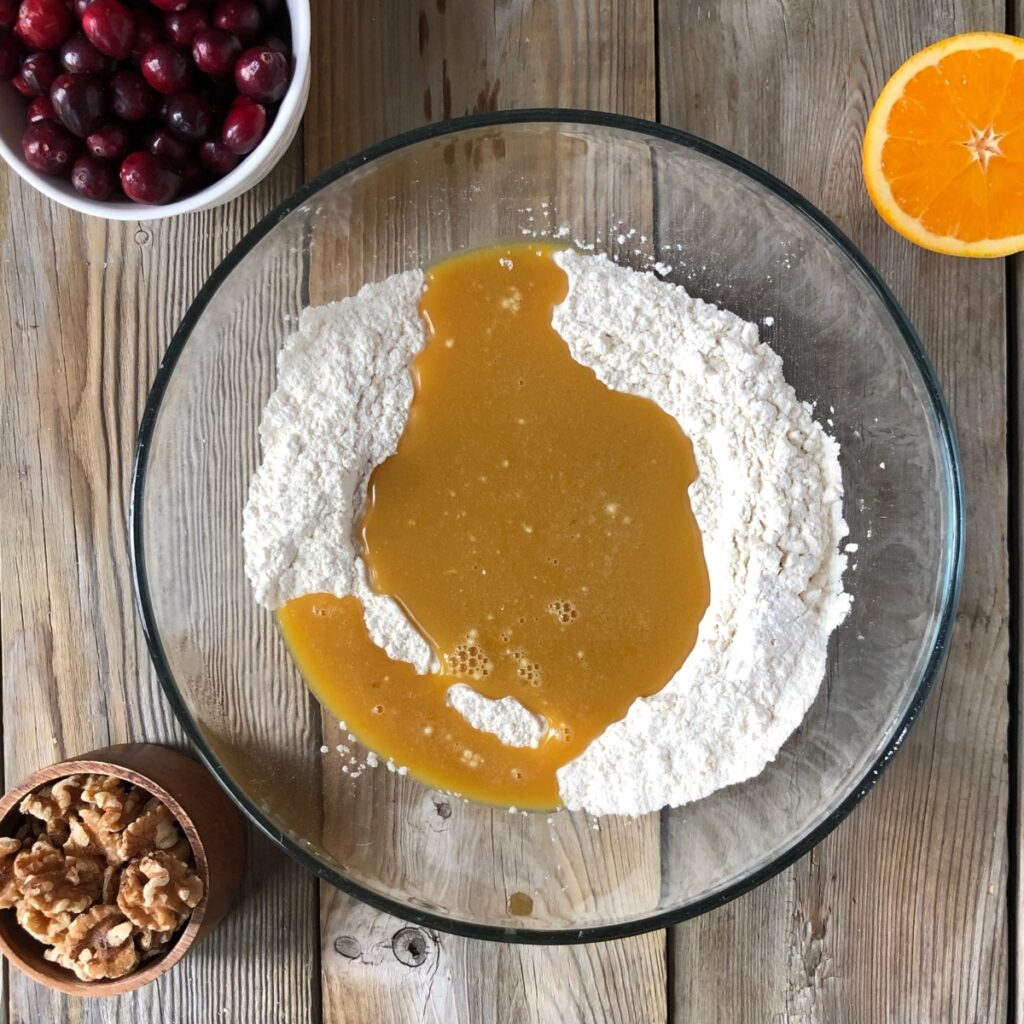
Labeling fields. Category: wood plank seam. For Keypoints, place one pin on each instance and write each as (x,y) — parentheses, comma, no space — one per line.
(1015,538)
(900,914)
(1015,333)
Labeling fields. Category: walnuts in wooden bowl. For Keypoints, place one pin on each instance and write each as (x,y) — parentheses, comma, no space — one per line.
(100,873)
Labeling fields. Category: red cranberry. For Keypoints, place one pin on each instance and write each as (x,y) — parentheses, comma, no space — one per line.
(40,109)
(10,55)
(170,5)
(244,126)
(22,86)
(217,158)
(110,27)
(183,26)
(79,56)
(130,97)
(240,17)
(44,24)
(8,13)
(38,70)
(215,51)
(262,74)
(220,102)
(94,178)
(277,44)
(110,141)
(270,9)
(79,102)
(165,67)
(49,147)
(173,151)
(193,176)
(147,179)
(149,30)
(189,116)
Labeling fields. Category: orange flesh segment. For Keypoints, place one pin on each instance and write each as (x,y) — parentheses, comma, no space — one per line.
(534,525)
(928,177)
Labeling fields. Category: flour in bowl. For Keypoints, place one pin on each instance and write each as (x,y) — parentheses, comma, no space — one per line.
(769,504)
(768,501)
(343,391)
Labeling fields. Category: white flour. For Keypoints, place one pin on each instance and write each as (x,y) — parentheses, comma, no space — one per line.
(768,500)
(342,399)
(513,724)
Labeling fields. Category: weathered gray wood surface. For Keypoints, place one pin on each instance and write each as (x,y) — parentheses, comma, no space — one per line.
(404,64)
(901,915)
(86,310)
(1015,286)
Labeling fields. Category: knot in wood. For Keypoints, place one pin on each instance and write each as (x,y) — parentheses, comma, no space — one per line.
(411,946)
(348,947)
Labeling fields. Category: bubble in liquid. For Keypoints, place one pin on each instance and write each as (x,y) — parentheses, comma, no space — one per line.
(527,670)
(471,758)
(468,658)
(564,611)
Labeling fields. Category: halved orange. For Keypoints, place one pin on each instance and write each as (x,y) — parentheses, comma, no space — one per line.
(944,146)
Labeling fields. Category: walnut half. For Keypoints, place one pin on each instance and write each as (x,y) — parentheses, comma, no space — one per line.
(9,894)
(98,944)
(158,891)
(54,884)
(48,928)
(117,802)
(154,829)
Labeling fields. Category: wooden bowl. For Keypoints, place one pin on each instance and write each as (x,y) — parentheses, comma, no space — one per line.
(207,817)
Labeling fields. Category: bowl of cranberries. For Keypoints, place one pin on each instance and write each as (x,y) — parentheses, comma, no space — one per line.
(141,109)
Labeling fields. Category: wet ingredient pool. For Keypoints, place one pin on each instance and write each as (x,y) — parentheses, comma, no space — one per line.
(533,524)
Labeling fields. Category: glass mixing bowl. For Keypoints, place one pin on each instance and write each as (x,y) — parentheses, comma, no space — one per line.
(645,194)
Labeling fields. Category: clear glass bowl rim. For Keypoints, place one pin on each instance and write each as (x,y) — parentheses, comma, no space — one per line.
(954,499)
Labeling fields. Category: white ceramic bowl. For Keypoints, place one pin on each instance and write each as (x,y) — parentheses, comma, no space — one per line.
(251,170)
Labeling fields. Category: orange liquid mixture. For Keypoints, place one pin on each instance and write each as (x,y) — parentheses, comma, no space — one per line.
(536,528)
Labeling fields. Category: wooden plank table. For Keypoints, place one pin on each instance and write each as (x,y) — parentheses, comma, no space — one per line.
(906,913)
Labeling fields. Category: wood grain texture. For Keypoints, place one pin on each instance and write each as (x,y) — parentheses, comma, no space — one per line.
(382,68)
(378,968)
(1015,281)
(87,310)
(900,915)
(394,66)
